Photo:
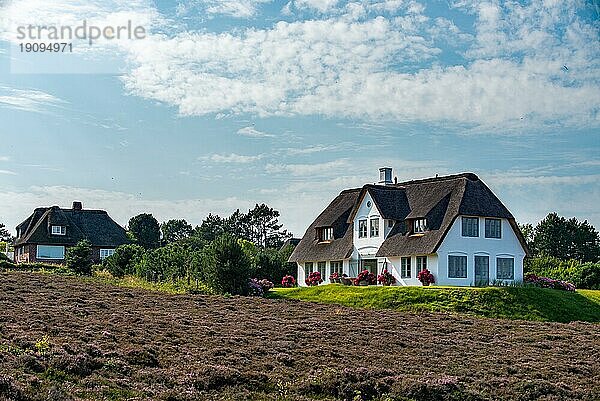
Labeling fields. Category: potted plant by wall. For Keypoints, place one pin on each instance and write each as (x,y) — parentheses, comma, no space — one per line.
(334,278)
(346,280)
(365,277)
(425,277)
(288,282)
(313,279)
(386,278)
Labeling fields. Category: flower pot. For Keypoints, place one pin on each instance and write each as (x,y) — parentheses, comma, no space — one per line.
(425,284)
(363,283)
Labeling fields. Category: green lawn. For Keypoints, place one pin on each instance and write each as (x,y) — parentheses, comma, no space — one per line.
(526,303)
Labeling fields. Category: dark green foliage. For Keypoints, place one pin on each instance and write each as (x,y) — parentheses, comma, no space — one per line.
(145,230)
(565,239)
(582,275)
(175,230)
(271,264)
(123,261)
(4,258)
(225,266)
(79,258)
(5,235)
(171,262)
(211,228)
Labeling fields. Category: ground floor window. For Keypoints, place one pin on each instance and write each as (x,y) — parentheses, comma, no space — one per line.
(308,266)
(337,267)
(405,270)
(105,253)
(482,270)
(457,266)
(505,268)
(421,263)
(321,266)
(50,252)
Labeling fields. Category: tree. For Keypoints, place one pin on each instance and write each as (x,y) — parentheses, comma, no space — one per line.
(175,230)
(123,261)
(146,230)
(265,229)
(528,232)
(5,235)
(211,228)
(79,258)
(566,239)
(226,268)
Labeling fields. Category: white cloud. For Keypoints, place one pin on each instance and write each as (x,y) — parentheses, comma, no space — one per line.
(4,158)
(7,172)
(28,100)
(311,170)
(253,133)
(341,66)
(233,8)
(233,158)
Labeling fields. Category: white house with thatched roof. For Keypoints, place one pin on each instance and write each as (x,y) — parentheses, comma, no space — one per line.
(454,226)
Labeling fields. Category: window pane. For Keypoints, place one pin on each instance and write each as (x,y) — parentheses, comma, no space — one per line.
(405,268)
(421,263)
(505,268)
(50,252)
(321,267)
(493,228)
(362,228)
(308,266)
(374,227)
(457,266)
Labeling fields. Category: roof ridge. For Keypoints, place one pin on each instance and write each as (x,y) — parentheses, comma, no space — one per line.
(467,175)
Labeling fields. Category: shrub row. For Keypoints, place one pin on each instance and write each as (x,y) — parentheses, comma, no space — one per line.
(582,275)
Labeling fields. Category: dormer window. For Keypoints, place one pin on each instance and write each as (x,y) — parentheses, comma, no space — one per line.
(325,234)
(59,230)
(419,226)
(362,228)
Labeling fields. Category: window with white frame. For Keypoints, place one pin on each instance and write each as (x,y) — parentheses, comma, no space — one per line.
(405,269)
(59,230)
(457,266)
(325,234)
(308,267)
(362,228)
(470,227)
(505,268)
(419,226)
(375,227)
(493,228)
(421,263)
(105,253)
(50,252)
(337,267)
(321,267)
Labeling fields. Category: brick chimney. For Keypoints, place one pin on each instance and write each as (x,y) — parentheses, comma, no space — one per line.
(77,205)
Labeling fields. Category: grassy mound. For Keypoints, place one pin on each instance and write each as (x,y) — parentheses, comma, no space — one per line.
(525,303)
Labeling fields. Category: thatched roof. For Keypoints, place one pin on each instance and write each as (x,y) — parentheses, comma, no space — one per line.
(336,216)
(440,200)
(94,225)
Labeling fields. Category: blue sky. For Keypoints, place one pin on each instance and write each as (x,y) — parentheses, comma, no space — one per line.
(232,102)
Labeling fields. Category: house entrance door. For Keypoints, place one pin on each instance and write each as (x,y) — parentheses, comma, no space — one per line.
(370,265)
(482,270)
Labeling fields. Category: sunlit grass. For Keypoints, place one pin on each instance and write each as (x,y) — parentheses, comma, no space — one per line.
(527,303)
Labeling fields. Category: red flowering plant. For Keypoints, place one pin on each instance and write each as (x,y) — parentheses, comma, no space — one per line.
(334,276)
(425,277)
(386,278)
(365,276)
(288,282)
(313,279)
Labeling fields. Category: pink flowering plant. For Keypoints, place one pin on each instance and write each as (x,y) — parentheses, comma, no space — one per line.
(546,282)
(258,288)
(365,276)
(425,277)
(386,278)
(313,279)
(288,282)
(334,276)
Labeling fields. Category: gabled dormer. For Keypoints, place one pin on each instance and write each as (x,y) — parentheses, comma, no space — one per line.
(324,234)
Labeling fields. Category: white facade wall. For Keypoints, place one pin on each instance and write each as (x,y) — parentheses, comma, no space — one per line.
(455,244)
(393,266)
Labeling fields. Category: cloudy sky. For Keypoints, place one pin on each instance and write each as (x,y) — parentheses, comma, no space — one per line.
(227,103)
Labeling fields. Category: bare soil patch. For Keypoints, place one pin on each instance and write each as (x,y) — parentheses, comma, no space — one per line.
(62,338)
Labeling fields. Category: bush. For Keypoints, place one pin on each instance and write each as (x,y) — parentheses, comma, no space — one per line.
(123,261)
(259,288)
(545,282)
(225,266)
(365,276)
(288,281)
(425,277)
(386,278)
(314,278)
(171,262)
(79,258)
(582,275)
